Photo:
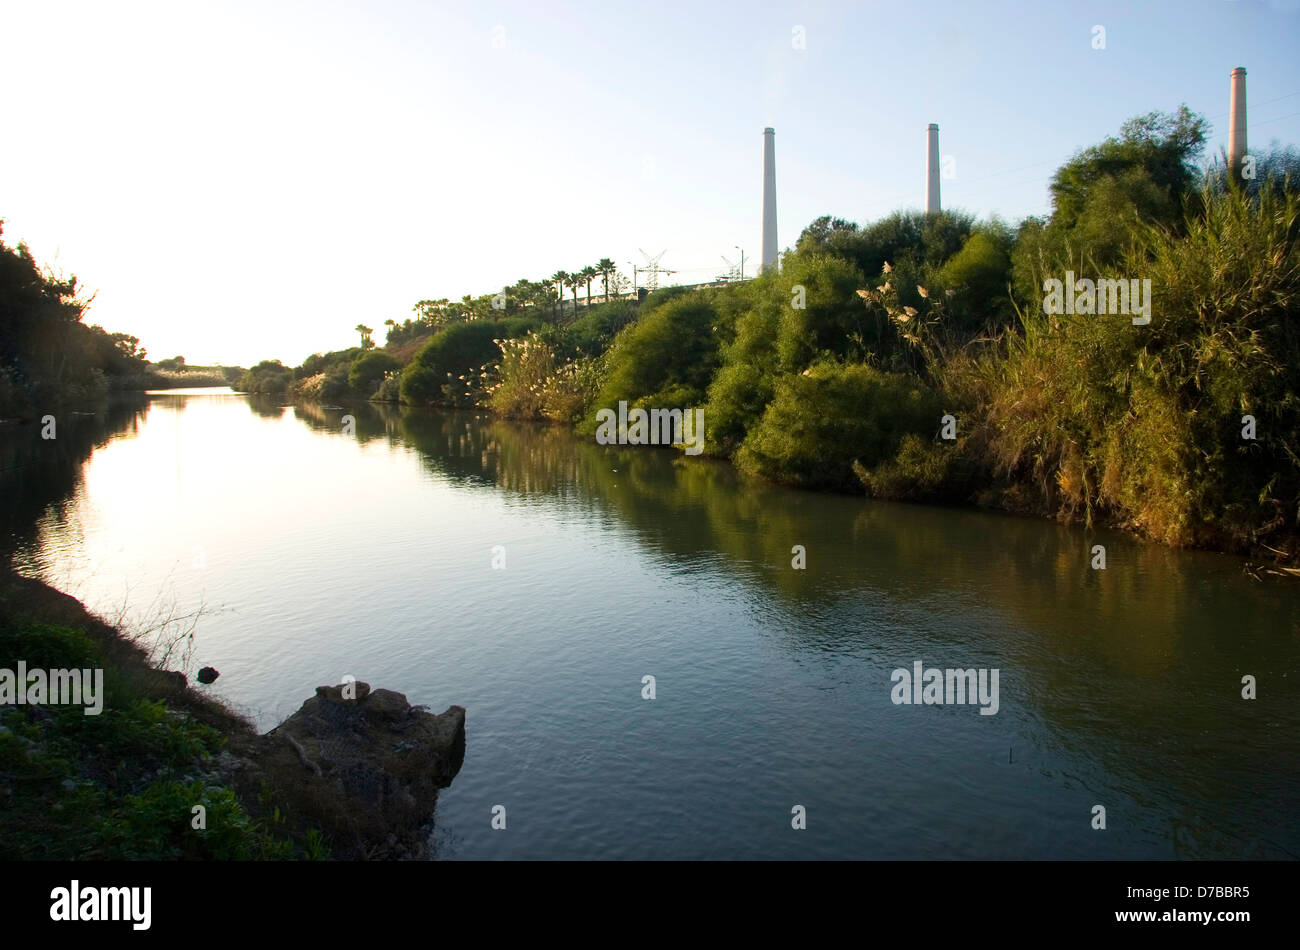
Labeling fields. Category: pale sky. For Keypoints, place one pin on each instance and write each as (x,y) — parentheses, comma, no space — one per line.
(248,180)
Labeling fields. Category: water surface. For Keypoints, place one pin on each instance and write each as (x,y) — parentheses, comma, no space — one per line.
(313,552)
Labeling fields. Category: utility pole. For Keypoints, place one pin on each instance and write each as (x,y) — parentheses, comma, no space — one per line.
(633,266)
(742,260)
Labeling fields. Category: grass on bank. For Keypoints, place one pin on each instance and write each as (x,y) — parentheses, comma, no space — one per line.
(122,784)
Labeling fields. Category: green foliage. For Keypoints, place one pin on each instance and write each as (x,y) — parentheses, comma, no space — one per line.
(449,369)
(113,786)
(390,388)
(367,371)
(1162,147)
(822,420)
(978,275)
(1143,424)
(268,376)
(923,469)
(669,353)
(737,397)
(820,317)
(663,295)
(531,383)
(406,331)
(330,386)
(910,241)
(525,366)
(743,385)
(1107,198)
(592,332)
(48,357)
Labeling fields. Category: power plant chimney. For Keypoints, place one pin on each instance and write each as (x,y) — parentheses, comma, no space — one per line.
(932,169)
(1237,123)
(769,199)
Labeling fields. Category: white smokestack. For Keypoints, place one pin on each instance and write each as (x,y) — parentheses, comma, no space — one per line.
(769,198)
(932,169)
(1237,122)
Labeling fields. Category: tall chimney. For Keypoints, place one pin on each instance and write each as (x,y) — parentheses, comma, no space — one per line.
(769,198)
(1237,123)
(932,169)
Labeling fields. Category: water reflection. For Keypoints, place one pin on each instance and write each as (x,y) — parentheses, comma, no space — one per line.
(1119,686)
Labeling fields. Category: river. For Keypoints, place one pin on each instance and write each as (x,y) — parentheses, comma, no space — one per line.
(537,579)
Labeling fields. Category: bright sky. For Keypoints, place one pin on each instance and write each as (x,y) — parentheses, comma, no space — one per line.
(249,180)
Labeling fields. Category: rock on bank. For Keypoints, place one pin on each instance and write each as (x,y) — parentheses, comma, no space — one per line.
(363,766)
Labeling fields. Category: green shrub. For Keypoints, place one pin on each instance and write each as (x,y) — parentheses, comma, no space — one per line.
(268,376)
(822,420)
(923,469)
(390,388)
(319,363)
(831,322)
(368,370)
(1143,424)
(331,386)
(521,376)
(449,368)
(737,398)
(978,276)
(674,348)
(592,332)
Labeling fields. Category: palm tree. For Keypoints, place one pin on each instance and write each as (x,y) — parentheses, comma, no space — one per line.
(605,267)
(523,290)
(561,280)
(575,281)
(588,274)
(365,332)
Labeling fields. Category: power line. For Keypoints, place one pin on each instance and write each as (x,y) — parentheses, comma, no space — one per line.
(1256,105)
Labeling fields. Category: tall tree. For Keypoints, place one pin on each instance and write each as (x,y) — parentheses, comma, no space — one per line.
(365,331)
(588,274)
(1163,145)
(575,281)
(561,280)
(606,267)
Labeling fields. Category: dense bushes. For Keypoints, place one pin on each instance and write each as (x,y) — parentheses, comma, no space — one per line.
(824,419)
(126,774)
(450,369)
(367,371)
(666,359)
(48,357)
(835,370)
(592,332)
(1144,424)
(531,383)
(268,376)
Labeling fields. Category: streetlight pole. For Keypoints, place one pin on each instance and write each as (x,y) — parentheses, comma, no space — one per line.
(742,260)
(633,278)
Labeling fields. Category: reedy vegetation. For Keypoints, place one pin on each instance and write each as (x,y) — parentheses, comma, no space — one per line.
(1081,417)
